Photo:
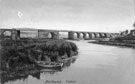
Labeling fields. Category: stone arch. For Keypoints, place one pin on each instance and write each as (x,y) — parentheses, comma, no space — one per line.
(101,35)
(87,36)
(45,34)
(50,34)
(81,35)
(75,35)
(91,35)
(105,35)
(97,35)
(7,33)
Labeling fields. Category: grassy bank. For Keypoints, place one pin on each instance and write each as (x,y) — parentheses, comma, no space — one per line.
(18,55)
(130,44)
(124,41)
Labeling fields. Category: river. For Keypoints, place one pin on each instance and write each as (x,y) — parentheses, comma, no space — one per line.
(95,64)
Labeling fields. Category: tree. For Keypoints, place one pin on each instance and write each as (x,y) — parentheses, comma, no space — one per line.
(134,24)
(126,31)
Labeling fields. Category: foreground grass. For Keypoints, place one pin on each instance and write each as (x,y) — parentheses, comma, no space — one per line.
(18,55)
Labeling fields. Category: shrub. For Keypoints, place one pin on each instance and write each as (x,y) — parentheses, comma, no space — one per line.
(21,53)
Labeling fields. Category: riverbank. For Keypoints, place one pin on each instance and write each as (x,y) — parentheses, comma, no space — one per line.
(116,43)
(19,55)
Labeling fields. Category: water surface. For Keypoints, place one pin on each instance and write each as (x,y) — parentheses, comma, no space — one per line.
(95,64)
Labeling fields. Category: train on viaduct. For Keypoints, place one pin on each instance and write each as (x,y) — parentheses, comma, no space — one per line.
(17,34)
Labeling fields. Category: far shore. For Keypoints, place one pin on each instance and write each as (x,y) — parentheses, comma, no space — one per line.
(114,43)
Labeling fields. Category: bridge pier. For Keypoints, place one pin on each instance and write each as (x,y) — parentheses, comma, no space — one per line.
(80,35)
(90,36)
(71,35)
(15,35)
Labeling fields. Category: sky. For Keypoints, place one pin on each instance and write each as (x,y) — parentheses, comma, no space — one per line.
(77,15)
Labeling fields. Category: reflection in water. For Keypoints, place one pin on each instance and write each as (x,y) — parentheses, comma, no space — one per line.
(5,77)
(22,75)
(69,62)
(13,76)
(36,75)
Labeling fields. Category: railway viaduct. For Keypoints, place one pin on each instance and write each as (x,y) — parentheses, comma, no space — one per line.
(17,34)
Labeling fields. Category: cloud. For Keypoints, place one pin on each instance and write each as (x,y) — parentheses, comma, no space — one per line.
(20,14)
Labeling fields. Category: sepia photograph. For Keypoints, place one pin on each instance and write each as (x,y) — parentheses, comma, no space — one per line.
(67,41)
